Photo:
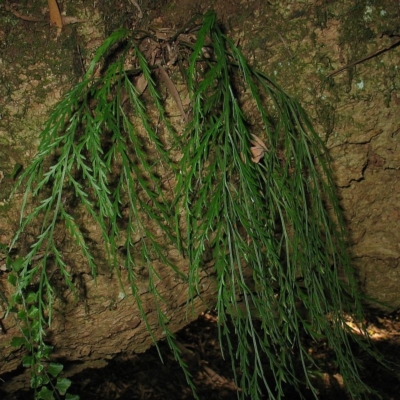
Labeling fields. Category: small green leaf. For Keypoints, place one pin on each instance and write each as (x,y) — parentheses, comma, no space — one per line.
(33,312)
(46,350)
(35,329)
(72,397)
(26,332)
(35,381)
(39,368)
(12,279)
(17,298)
(27,361)
(45,379)
(17,264)
(31,298)
(22,315)
(55,369)
(18,341)
(45,394)
(62,385)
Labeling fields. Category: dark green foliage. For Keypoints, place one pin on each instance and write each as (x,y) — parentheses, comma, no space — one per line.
(272,223)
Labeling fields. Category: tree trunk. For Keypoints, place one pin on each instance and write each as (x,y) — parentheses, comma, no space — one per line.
(356,111)
(106,321)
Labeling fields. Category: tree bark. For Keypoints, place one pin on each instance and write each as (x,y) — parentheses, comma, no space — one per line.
(89,331)
(356,112)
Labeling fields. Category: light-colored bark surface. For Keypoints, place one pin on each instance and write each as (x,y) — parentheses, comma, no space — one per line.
(107,321)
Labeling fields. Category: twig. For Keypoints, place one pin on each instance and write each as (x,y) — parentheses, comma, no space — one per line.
(377,53)
(140,15)
(173,90)
(10,7)
(54,20)
(285,44)
(55,15)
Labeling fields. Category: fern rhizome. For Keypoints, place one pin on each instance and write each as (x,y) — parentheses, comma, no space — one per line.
(248,185)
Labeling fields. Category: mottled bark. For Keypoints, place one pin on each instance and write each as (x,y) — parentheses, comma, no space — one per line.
(299,44)
(87,332)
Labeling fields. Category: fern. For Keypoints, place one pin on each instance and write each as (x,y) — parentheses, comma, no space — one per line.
(253,187)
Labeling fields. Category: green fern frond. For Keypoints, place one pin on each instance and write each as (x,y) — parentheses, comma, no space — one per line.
(252,186)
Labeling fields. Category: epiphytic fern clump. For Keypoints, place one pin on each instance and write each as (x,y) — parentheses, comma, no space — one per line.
(251,188)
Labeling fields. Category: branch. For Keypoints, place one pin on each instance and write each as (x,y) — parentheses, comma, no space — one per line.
(377,53)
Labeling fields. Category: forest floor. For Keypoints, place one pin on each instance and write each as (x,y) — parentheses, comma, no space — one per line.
(145,377)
